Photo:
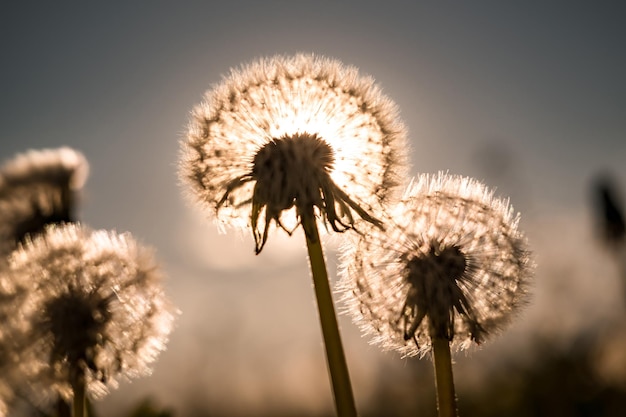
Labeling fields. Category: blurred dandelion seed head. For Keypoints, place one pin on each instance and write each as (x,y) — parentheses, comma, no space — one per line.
(286,132)
(57,166)
(94,304)
(37,188)
(451,261)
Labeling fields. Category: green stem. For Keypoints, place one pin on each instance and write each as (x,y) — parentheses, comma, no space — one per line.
(79,405)
(342,390)
(442,360)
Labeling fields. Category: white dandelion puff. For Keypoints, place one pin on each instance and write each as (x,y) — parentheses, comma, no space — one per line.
(94,308)
(290,136)
(451,264)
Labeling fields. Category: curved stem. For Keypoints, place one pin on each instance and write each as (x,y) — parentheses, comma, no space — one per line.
(442,360)
(342,389)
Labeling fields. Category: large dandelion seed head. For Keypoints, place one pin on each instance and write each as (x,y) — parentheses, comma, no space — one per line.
(451,263)
(38,187)
(285,135)
(94,305)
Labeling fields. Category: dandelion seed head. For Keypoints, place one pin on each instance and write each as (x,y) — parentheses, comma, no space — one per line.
(272,108)
(37,188)
(286,168)
(94,305)
(451,262)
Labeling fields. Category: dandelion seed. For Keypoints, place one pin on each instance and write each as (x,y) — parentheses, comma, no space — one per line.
(38,188)
(288,136)
(94,310)
(452,264)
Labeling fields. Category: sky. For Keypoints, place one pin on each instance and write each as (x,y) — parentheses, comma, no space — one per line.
(528,97)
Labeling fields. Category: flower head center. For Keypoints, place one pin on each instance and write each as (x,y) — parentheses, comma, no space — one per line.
(439,267)
(76,322)
(295,171)
(436,280)
(292,170)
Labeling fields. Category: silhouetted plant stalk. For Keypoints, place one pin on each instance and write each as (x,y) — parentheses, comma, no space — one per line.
(290,141)
(450,268)
(79,403)
(342,388)
(610,222)
(444,380)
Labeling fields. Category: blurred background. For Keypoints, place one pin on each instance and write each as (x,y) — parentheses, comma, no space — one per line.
(528,97)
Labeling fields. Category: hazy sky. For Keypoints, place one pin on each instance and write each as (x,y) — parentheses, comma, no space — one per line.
(529,97)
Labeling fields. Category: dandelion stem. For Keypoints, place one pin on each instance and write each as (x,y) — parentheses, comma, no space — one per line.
(446,399)
(342,390)
(79,408)
(63,408)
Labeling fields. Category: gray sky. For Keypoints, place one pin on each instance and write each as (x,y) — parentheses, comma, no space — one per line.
(529,97)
